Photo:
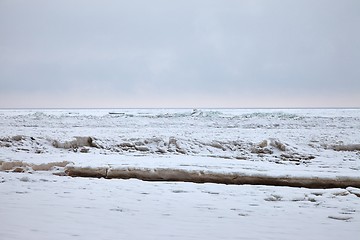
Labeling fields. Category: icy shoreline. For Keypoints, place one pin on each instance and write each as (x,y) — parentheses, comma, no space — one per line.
(306,148)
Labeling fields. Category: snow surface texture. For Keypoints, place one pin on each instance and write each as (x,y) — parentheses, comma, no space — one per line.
(42,206)
(273,143)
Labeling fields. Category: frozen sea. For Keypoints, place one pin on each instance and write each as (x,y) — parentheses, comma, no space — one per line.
(307,143)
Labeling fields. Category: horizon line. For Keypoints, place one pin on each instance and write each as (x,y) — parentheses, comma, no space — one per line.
(59,108)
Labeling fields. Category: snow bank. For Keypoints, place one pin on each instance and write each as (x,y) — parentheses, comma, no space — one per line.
(180,175)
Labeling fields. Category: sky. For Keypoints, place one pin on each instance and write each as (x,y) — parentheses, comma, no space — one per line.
(179,53)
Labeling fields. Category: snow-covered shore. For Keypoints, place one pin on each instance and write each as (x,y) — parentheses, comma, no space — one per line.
(275,144)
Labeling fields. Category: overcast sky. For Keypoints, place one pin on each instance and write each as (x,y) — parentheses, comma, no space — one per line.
(179,53)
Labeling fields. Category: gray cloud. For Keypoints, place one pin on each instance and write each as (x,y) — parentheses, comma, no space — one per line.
(180,53)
